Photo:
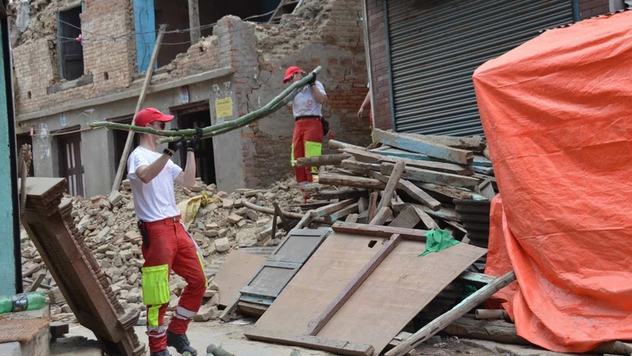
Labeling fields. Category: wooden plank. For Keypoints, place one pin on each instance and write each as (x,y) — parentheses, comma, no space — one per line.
(382,216)
(391,297)
(447,194)
(359,167)
(372,206)
(362,155)
(353,208)
(419,195)
(317,325)
(332,208)
(317,161)
(350,181)
(431,165)
(391,185)
(312,342)
(443,213)
(424,147)
(236,271)
(352,218)
(407,219)
(478,279)
(342,145)
(341,194)
(378,231)
(475,143)
(194,21)
(428,222)
(455,313)
(427,176)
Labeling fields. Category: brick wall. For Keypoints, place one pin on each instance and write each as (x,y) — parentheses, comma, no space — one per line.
(590,8)
(379,65)
(33,70)
(331,39)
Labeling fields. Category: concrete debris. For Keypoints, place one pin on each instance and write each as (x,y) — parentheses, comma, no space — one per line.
(108,225)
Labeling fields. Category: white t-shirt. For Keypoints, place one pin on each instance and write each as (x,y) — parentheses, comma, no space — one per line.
(155,200)
(304,103)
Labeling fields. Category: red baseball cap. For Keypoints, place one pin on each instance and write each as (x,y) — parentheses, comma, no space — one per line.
(290,72)
(149,115)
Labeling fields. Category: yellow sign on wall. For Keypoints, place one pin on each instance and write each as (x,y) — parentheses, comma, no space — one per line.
(224,107)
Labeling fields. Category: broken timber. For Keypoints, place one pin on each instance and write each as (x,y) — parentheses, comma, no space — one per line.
(333,159)
(412,190)
(284,213)
(350,181)
(396,174)
(418,145)
(424,175)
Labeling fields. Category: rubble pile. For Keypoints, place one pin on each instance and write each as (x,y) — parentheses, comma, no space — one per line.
(110,231)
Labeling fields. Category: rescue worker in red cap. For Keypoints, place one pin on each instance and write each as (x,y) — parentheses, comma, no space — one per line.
(307,107)
(166,244)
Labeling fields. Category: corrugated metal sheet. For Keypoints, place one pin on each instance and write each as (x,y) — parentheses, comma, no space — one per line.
(435,46)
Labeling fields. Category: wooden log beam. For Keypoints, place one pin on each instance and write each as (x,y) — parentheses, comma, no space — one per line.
(340,194)
(360,167)
(350,181)
(423,175)
(419,195)
(270,211)
(315,326)
(312,342)
(362,155)
(372,206)
(452,315)
(379,231)
(342,145)
(317,161)
(475,143)
(332,208)
(424,147)
(432,165)
(391,185)
(194,21)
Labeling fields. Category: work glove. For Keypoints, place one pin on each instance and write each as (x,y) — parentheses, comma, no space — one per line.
(176,145)
(192,143)
(313,81)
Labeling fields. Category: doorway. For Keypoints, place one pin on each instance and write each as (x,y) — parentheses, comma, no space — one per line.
(70,166)
(198,115)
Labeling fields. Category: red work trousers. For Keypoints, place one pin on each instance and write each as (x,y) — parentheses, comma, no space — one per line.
(307,141)
(170,248)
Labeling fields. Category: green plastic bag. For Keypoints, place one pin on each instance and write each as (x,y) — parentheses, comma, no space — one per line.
(438,240)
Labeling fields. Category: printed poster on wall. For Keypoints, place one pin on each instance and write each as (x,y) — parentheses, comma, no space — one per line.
(224,107)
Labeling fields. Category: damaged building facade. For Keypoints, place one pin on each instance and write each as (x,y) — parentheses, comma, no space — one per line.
(423,54)
(77,62)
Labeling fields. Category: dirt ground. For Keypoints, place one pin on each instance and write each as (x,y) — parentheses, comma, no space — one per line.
(82,342)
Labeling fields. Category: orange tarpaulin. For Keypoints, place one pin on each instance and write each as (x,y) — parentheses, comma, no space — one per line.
(557,113)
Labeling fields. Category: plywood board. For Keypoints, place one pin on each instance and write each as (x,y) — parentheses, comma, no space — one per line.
(320,280)
(236,271)
(396,291)
(271,279)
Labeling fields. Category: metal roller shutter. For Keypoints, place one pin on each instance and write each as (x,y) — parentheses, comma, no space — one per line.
(435,46)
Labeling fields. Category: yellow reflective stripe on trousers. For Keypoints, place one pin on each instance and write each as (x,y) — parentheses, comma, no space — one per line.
(313,149)
(152,315)
(292,156)
(155,285)
(201,259)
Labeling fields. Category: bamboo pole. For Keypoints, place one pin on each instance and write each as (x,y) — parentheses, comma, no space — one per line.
(139,103)
(275,104)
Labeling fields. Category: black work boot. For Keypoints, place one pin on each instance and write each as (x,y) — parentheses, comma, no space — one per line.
(181,343)
(164,352)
